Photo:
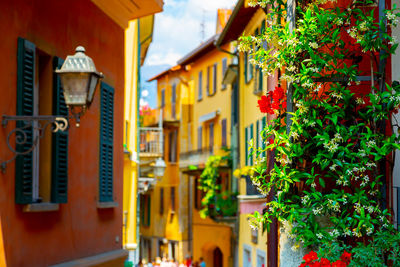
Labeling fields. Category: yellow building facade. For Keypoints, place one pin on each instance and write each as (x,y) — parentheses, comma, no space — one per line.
(254,245)
(208,128)
(196,110)
(163,211)
(138,37)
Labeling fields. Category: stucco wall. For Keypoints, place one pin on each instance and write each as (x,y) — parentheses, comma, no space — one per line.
(78,228)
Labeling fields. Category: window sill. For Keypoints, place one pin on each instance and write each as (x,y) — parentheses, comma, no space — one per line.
(41,207)
(107,205)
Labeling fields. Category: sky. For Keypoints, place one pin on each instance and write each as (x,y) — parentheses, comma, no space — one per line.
(177,31)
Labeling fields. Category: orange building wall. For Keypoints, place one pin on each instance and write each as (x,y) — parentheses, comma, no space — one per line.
(78,229)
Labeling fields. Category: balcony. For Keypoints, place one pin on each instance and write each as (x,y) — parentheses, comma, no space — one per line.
(195,157)
(151,142)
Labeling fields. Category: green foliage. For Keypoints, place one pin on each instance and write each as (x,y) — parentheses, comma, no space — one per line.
(216,201)
(327,174)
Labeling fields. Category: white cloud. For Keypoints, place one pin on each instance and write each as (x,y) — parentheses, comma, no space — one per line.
(177,30)
(162,58)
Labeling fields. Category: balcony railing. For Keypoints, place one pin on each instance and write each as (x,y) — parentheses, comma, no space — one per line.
(151,142)
(195,157)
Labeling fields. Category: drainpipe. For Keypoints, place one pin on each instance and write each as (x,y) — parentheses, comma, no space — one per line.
(236,151)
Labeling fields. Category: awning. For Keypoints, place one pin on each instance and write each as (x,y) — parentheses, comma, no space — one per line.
(209,116)
(230,74)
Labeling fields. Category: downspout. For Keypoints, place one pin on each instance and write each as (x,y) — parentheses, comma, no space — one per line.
(235,100)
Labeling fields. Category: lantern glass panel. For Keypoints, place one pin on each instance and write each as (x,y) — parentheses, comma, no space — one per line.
(75,88)
(94,79)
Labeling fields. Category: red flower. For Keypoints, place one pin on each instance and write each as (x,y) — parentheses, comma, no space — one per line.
(271,141)
(325,262)
(312,256)
(265,104)
(346,257)
(275,105)
(339,263)
(278,94)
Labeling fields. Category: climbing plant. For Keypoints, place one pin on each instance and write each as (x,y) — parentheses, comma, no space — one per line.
(216,201)
(334,150)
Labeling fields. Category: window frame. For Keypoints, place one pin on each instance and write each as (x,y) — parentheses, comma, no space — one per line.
(224,67)
(27,175)
(200,86)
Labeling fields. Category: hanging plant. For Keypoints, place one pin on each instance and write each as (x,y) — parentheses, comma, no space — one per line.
(216,202)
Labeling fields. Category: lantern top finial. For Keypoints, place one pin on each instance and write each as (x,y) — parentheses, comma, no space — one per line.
(80,49)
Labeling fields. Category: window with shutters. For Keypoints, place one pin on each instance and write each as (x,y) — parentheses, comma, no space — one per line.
(173,101)
(258,83)
(161,201)
(145,210)
(200,86)
(214,79)
(211,135)
(162,98)
(223,134)
(173,143)
(248,68)
(172,195)
(200,138)
(106,171)
(208,80)
(42,174)
(224,68)
(248,150)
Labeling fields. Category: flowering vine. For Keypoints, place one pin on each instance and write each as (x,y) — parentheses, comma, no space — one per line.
(329,174)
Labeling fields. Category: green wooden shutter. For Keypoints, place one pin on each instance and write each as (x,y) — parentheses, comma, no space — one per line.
(59,159)
(106,142)
(246,148)
(251,137)
(257,143)
(264,123)
(246,65)
(148,211)
(25,105)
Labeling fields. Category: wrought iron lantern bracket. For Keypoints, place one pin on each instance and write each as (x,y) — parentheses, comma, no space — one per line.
(23,129)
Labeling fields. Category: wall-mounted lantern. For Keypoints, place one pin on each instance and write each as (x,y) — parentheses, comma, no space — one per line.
(159,168)
(79,80)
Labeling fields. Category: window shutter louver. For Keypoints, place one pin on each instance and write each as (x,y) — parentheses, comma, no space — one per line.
(246,145)
(223,139)
(59,168)
(25,105)
(106,143)
(264,123)
(251,138)
(246,65)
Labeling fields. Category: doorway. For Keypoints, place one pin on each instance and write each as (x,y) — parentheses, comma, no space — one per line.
(217,257)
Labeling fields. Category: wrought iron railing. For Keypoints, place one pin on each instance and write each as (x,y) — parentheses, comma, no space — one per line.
(151,141)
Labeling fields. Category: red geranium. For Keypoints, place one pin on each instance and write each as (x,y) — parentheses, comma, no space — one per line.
(346,257)
(311,260)
(265,104)
(312,256)
(274,100)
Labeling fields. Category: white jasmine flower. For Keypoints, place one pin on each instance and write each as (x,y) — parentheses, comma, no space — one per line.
(313,45)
